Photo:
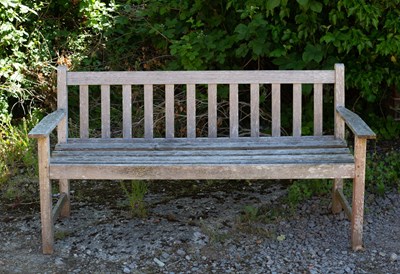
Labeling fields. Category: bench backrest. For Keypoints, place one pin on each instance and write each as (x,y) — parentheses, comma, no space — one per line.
(211,79)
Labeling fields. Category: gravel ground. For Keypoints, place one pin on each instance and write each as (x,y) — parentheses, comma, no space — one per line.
(212,229)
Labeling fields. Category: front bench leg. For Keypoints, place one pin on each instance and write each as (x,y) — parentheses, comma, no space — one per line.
(45,196)
(360,147)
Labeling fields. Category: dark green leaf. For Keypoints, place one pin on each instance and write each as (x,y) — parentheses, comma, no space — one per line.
(271,4)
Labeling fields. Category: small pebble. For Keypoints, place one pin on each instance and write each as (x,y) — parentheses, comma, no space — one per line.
(383,254)
(126,269)
(181,252)
(158,262)
(393,257)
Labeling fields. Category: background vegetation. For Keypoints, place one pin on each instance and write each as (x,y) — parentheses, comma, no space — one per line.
(37,35)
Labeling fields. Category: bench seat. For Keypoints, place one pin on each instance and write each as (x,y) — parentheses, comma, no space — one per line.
(204,158)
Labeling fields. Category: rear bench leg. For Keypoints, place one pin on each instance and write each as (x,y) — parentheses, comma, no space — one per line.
(64,188)
(337,186)
(360,145)
(45,196)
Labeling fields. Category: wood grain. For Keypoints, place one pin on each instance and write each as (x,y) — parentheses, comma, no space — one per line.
(255,110)
(212,111)
(62,103)
(105,111)
(276,110)
(169,112)
(127,111)
(201,77)
(84,111)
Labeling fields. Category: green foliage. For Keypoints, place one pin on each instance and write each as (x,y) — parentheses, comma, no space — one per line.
(303,34)
(382,172)
(302,190)
(135,195)
(16,149)
(34,37)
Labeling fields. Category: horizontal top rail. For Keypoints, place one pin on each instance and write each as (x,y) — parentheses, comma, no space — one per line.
(200,77)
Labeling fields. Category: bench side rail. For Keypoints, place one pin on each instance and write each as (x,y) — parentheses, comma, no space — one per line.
(170,79)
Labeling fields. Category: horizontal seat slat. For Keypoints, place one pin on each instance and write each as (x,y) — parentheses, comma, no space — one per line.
(209,144)
(203,152)
(226,159)
(188,172)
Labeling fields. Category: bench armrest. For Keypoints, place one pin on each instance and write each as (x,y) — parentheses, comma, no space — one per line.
(47,124)
(355,123)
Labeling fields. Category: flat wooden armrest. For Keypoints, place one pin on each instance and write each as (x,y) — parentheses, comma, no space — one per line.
(355,123)
(47,124)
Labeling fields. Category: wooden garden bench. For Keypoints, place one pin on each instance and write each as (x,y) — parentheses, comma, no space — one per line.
(257,156)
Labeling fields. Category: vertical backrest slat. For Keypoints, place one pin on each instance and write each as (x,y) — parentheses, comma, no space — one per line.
(62,103)
(318,109)
(339,100)
(105,111)
(296,110)
(255,110)
(233,110)
(84,111)
(212,110)
(148,111)
(126,111)
(276,110)
(191,110)
(169,111)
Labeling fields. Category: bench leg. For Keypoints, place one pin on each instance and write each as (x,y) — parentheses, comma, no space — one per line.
(45,196)
(64,188)
(358,193)
(336,205)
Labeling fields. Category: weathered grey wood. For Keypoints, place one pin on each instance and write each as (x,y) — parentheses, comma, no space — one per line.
(191,110)
(45,196)
(199,172)
(209,159)
(66,207)
(276,110)
(318,109)
(170,158)
(201,152)
(296,110)
(255,110)
(200,77)
(355,123)
(360,146)
(59,205)
(212,111)
(62,103)
(148,111)
(233,110)
(336,203)
(169,112)
(339,99)
(261,139)
(186,144)
(84,111)
(105,111)
(344,203)
(47,124)
(127,111)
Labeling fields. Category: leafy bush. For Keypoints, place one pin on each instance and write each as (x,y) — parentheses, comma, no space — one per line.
(382,172)
(302,34)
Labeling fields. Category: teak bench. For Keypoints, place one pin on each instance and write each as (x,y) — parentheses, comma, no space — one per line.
(257,156)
